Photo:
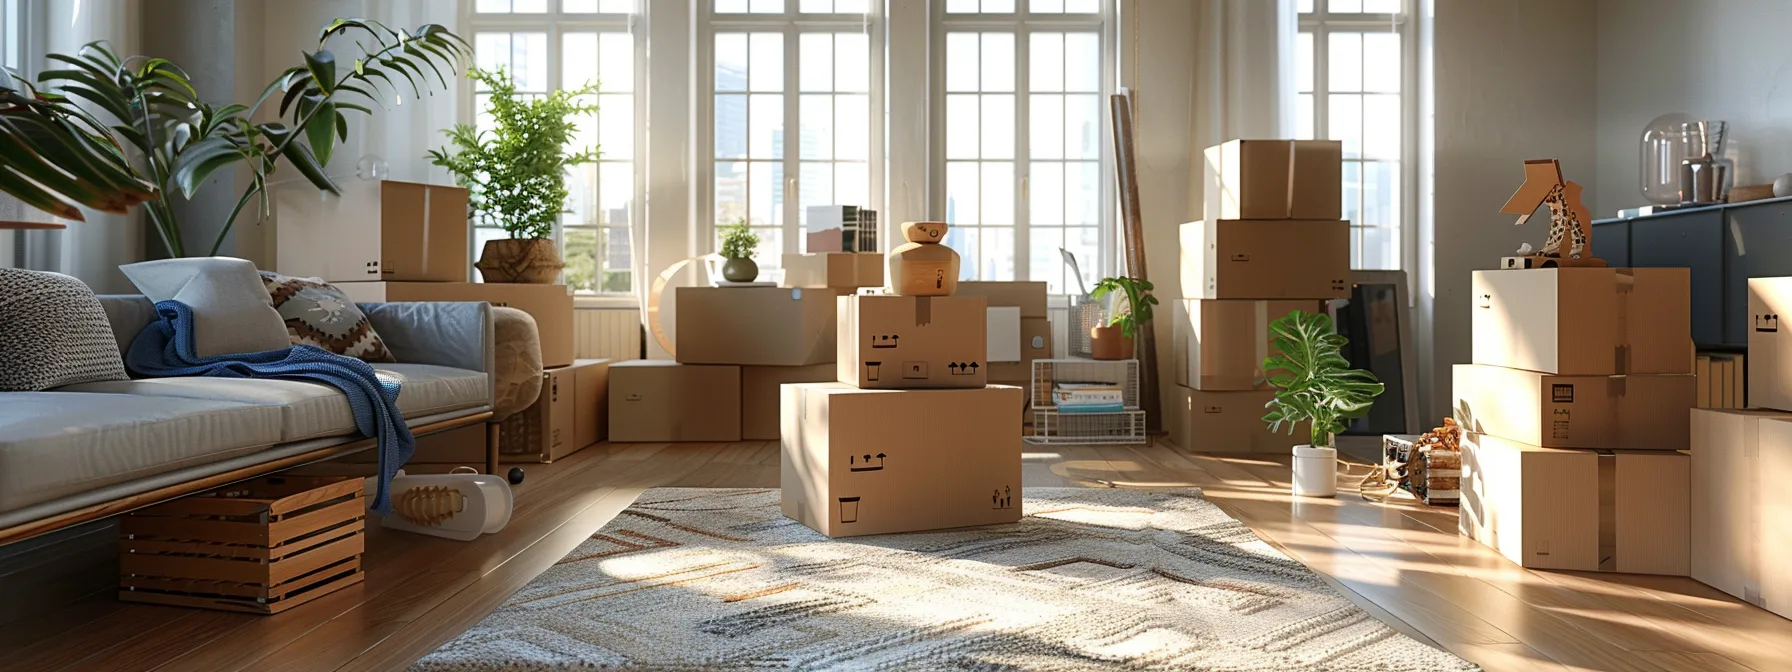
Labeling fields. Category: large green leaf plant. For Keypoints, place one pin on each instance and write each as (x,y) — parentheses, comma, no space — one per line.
(1137,311)
(57,156)
(1312,380)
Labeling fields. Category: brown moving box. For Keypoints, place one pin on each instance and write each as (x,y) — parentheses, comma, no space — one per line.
(1274,179)
(398,231)
(1741,523)
(571,414)
(1035,330)
(759,395)
(1288,259)
(1028,296)
(656,400)
(1035,343)
(1220,345)
(759,326)
(912,342)
(1581,510)
(1769,375)
(1228,422)
(1584,321)
(1640,412)
(856,462)
(550,305)
(839,270)
(461,446)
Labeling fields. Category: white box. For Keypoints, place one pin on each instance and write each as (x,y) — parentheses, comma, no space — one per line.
(1769,362)
(1004,334)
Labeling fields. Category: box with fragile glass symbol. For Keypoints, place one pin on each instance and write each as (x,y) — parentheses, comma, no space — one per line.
(912,342)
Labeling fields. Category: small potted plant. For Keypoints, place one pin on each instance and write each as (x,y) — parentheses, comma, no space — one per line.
(516,175)
(1114,339)
(738,243)
(1314,383)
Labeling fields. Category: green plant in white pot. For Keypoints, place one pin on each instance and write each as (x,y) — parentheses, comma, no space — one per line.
(1113,340)
(738,243)
(1315,384)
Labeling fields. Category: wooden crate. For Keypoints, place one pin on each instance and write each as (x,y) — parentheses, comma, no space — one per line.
(261,546)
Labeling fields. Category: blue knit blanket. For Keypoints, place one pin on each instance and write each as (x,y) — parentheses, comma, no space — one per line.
(165,349)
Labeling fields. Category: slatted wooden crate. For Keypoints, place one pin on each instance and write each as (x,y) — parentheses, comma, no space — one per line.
(262,546)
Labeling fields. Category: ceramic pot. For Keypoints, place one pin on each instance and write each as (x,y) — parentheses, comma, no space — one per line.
(1108,344)
(533,261)
(740,270)
(1315,471)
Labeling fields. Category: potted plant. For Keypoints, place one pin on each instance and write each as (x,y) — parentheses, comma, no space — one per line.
(738,243)
(516,174)
(1114,339)
(1314,383)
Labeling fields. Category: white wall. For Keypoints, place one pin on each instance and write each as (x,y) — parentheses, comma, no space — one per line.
(93,250)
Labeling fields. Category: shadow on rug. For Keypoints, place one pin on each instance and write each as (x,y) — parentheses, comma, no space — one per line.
(689,578)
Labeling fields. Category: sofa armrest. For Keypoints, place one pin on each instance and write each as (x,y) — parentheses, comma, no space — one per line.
(457,334)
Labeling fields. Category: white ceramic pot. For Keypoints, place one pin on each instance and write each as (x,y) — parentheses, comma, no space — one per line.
(1315,471)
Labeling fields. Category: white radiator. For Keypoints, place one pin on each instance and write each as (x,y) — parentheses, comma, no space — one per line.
(607,333)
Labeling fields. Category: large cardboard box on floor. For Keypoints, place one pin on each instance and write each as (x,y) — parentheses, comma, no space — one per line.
(1584,321)
(840,270)
(757,326)
(571,414)
(1220,345)
(912,342)
(1741,522)
(1227,422)
(386,230)
(856,462)
(1274,179)
(550,305)
(1582,510)
(1289,259)
(657,400)
(759,395)
(1769,376)
(1639,412)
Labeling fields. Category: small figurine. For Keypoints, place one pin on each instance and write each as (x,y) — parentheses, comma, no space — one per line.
(1569,218)
(922,266)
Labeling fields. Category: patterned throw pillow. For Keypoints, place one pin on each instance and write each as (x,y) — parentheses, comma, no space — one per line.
(321,315)
(53,332)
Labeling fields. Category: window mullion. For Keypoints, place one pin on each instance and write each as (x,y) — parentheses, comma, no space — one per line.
(1022,139)
(792,135)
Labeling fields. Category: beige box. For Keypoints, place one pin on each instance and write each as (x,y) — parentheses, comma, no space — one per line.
(757,326)
(839,270)
(1584,321)
(571,414)
(1741,527)
(912,342)
(1640,412)
(1034,331)
(1769,376)
(759,395)
(657,400)
(856,462)
(1274,179)
(550,305)
(1228,422)
(398,231)
(1035,343)
(1220,345)
(1581,510)
(1288,259)
(1029,297)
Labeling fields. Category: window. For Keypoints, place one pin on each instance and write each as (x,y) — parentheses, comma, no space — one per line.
(1354,66)
(1021,96)
(548,45)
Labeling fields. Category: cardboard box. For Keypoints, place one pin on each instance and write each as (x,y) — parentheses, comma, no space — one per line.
(1029,297)
(1290,259)
(856,462)
(1228,422)
(1584,321)
(1274,179)
(912,342)
(397,231)
(571,414)
(1581,510)
(1741,530)
(1640,412)
(1220,345)
(1035,343)
(839,228)
(1769,378)
(839,270)
(657,400)
(461,446)
(1018,330)
(757,326)
(550,305)
(759,395)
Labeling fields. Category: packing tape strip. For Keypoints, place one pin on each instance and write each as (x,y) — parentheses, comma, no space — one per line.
(1260,322)
(923,311)
(1626,289)
(1608,511)
(1751,561)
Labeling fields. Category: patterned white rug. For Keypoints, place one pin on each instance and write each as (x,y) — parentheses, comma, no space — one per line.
(1091,579)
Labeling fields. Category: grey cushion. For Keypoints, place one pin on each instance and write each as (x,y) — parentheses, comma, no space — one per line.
(54,444)
(231,309)
(53,332)
(428,389)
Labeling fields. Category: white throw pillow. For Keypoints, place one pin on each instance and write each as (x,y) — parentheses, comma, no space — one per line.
(231,310)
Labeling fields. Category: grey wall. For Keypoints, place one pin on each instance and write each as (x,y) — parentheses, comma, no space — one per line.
(201,37)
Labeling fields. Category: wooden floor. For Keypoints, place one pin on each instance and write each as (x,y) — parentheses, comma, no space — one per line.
(1403,562)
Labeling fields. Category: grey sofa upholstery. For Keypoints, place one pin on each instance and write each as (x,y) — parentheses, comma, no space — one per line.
(85,444)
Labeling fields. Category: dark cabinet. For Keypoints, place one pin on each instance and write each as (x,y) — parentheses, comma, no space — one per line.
(1693,240)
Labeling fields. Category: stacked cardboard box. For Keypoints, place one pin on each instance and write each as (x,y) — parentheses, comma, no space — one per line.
(1575,413)
(1721,382)
(1018,330)
(1273,242)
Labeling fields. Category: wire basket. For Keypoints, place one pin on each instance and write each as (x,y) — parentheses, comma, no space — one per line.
(1085,314)
(1053,427)
(1049,372)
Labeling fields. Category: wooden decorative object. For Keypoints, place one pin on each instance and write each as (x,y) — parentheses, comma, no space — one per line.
(1132,231)
(532,261)
(260,546)
(923,266)
(1569,217)
(1429,466)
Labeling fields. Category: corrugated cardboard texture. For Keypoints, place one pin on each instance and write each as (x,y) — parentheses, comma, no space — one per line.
(656,400)
(839,270)
(1273,179)
(1584,321)
(1029,297)
(1771,511)
(1539,507)
(1035,343)
(1316,190)
(1287,259)
(1651,510)
(759,396)
(550,305)
(396,231)
(548,428)
(759,326)
(1769,378)
(1228,422)
(856,462)
(1740,529)
(1640,412)
(912,342)
(591,415)
(1220,345)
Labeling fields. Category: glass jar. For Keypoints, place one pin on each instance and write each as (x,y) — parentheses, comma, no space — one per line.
(1664,146)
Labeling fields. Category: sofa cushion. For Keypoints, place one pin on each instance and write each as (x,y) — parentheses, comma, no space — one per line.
(232,312)
(54,444)
(427,389)
(318,314)
(55,333)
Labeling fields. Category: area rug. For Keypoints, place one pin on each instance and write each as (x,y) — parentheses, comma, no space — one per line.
(1090,579)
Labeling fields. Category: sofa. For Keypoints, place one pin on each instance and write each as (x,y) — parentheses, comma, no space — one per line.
(82,452)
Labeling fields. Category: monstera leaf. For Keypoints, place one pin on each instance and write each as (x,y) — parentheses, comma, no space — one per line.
(58,156)
(1313,381)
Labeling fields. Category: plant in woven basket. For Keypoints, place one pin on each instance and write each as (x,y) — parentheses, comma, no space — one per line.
(1313,381)
(1114,339)
(738,243)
